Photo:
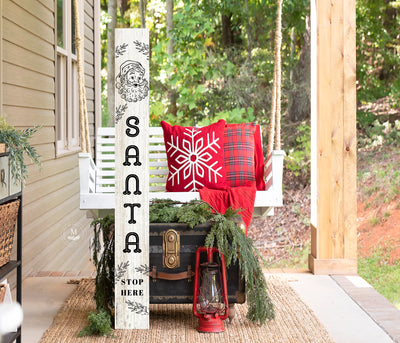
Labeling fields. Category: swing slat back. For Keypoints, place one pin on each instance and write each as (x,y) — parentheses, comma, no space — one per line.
(97,180)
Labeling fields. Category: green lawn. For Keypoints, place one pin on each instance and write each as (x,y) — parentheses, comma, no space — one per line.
(298,258)
(383,277)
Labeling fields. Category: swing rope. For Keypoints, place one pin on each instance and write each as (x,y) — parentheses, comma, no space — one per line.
(275,119)
(83,115)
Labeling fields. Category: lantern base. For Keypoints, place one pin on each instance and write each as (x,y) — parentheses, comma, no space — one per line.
(210,323)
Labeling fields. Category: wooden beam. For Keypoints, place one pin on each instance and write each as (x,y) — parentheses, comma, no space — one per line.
(324,108)
(334,234)
(349,131)
(337,266)
(336,130)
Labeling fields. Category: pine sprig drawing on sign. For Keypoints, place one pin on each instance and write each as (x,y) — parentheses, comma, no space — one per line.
(120,111)
(120,49)
(144,269)
(121,270)
(137,307)
(142,48)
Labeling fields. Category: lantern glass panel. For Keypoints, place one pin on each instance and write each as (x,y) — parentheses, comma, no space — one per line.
(210,296)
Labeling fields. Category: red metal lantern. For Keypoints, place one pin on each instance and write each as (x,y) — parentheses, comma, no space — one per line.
(210,298)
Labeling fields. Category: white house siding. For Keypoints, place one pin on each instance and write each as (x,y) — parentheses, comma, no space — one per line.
(51,214)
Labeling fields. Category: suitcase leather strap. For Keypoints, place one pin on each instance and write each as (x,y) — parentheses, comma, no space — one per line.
(154,274)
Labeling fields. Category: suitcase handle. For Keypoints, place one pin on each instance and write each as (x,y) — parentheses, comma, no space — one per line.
(171,276)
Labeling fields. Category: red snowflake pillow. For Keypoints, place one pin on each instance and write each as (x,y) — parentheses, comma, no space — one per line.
(195,157)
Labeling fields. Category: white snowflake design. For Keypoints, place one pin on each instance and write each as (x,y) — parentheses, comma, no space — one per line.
(193,159)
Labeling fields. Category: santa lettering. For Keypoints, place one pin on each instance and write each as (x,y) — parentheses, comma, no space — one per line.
(132,207)
(134,243)
(127,191)
(135,155)
(132,126)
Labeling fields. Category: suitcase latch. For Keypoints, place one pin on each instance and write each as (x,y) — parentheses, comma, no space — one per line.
(171,247)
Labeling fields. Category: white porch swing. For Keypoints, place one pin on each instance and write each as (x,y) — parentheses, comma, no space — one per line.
(97,179)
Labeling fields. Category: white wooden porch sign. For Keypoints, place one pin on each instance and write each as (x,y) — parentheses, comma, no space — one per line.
(131,179)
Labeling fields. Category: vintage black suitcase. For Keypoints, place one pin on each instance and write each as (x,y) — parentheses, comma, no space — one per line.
(172,262)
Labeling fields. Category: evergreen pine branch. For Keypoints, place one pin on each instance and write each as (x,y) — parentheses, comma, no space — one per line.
(99,325)
(236,246)
(17,142)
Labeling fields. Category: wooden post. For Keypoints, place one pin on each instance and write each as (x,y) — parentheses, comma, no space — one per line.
(131,179)
(334,211)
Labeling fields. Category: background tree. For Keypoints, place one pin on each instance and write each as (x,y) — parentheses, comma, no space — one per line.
(378,50)
(214,59)
(299,108)
(143,8)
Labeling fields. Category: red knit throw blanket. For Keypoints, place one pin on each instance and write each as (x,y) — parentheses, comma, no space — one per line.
(241,197)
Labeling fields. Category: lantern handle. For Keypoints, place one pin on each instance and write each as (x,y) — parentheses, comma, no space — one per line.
(223,267)
(210,255)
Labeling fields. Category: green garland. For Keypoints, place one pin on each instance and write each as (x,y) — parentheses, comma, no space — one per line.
(104,263)
(225,234)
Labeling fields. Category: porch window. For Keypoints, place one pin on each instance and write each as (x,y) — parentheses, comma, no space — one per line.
(67,97)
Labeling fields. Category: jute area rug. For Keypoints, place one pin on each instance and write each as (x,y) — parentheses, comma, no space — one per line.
(294,322)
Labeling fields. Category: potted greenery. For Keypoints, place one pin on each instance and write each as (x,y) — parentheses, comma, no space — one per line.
(16,142)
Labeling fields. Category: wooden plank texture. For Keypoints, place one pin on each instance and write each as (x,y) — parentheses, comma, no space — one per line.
(44,13)
(22,57)
(30,23)
(36,229)
(51,196)
(350,134)
(50,201)
(49,185)
(14,33)
(45,135)
(29,116)
(334,237)
(132,181)
(48,3)
(26,78)
(25,97)
(324,114)
(50,168)
(88,9)
(337,118)
(57,241)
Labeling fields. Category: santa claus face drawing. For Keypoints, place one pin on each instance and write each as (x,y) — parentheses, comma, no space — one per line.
(131,83)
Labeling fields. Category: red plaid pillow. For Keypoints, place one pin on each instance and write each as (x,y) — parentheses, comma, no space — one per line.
(195,157)
(239,154)
(241,166)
